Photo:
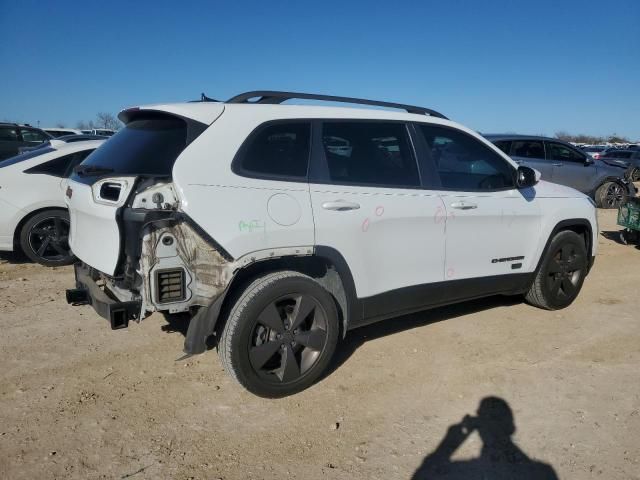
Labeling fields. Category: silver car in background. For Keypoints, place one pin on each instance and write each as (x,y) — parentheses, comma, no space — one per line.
(560,162)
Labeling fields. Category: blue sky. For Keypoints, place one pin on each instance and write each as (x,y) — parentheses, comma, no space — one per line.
(528,67)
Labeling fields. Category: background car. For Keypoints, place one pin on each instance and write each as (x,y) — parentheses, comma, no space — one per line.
(594,150)
(33,215)
(14,136)
(561,162)
(64,139)
(623,158)
(59,132)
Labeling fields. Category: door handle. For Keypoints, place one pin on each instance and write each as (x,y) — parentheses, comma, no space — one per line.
(340,206)
(464,205)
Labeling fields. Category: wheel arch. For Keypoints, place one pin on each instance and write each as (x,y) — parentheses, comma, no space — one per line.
(25,219)
(326,266)
(581,226)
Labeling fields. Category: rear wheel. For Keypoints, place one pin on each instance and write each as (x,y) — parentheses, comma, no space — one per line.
(44,238)
(561,274)
(280,335)
(611,195)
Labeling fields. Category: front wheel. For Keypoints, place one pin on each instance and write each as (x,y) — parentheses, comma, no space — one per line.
(44,238)
(635,175)
(280,334)
(611,195)
(561,274)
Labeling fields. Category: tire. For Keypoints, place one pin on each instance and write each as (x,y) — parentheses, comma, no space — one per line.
(280,334)
(561,274)
(44,238)
(635,175)
(611,195)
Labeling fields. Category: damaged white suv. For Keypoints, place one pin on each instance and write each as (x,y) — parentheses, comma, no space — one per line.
(280,227)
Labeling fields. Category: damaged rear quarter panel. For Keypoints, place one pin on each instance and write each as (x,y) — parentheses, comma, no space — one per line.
(208,273)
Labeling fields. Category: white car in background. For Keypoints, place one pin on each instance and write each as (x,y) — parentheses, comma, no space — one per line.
(60,132)
(33,214)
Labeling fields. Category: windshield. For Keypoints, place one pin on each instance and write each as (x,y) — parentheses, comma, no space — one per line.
(144,147)
(26,156)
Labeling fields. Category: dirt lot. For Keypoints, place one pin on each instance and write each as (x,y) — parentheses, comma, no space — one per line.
(78,400)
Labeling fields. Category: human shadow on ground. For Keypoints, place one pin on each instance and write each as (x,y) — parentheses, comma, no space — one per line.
(500,458)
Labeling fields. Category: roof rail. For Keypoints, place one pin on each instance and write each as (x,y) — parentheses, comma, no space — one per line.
(275,97)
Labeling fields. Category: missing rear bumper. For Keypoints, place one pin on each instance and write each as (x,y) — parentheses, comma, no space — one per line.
(88,292)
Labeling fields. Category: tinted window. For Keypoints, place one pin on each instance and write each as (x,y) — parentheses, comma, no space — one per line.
(280,149)
(464,163)
(557,151)
(32,136)
(8,134)
(61,166)
(619,154)
(528,149)
(369,153)
(504,145)
(144,147)
(26,156)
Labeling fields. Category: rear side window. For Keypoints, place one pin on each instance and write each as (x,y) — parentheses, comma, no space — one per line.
(557,151)
(504,145)
(143,147)
(61,166)
(276,151)
(369,153)
(8,134)
(464,163)
(26,156)
(619,154)
(528,149)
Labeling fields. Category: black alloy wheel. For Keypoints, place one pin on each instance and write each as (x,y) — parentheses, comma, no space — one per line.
(564,272)
(280,334)
(45,238)
(288,338)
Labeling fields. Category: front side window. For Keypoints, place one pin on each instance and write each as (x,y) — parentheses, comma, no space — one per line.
(562,153)
(528,149)
(464,163)
(32,136)
(369,153)
(277,150)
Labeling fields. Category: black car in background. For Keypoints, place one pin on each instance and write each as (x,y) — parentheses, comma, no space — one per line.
(623,158)
(13,137)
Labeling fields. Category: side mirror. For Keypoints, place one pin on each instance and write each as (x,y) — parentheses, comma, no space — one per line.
(526,177)
(589,161)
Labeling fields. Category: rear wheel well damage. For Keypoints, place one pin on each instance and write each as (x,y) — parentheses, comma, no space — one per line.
(211,319)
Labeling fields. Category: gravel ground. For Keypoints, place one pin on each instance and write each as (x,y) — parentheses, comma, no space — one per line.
(78,400)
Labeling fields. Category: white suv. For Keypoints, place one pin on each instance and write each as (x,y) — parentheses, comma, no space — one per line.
(280,227)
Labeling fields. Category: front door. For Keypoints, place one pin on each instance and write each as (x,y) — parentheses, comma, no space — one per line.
(570,167)
(491,227)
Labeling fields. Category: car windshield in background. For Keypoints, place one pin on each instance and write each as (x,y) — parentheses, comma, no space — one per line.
(26,156)
(593,149)
(143,147)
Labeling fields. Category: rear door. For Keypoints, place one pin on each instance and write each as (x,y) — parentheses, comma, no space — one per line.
(531,153)
(570,167)
(369,204)
(491,227)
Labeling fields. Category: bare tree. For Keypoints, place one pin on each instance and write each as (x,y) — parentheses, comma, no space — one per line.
(107,120)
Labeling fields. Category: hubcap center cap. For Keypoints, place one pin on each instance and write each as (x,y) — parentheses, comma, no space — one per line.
(287,337)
